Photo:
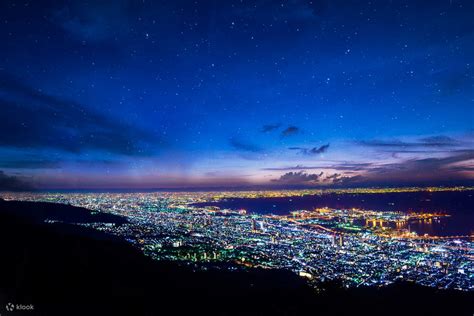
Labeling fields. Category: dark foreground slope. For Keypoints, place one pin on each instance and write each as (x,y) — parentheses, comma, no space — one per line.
(62,269)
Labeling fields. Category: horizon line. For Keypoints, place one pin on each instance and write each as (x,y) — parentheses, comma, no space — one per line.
(235,189)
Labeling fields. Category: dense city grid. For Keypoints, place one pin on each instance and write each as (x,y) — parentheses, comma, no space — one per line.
(320,245)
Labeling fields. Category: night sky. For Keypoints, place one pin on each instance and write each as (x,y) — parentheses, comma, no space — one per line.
(236,94)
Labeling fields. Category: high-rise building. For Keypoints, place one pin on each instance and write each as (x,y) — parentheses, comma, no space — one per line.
(254,225)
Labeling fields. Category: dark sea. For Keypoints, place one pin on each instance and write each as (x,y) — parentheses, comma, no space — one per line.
(459,205)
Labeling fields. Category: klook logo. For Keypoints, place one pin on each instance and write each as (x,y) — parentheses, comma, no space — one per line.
(10,307)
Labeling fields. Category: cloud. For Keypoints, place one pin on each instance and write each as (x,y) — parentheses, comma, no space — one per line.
(452,169)
(13,183)
(338,166)
(29,164)
(299,177)
(36,120)
(333,176)
(439,141)
(270,127)
(319,150)
(244,146)
(455,82)
(456,168)
(297,167)
(426,165)
(96,20)
(303,179)
(311,151)
(290,131)
(340,180)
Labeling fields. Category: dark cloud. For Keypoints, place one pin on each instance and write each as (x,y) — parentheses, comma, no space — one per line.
(339,166)
(456,82)
(454,169)
(299,177)
(270,127)
(22,161)
(297,167)
(350,166)
(29,164)
(303,179)
(319,150)
(290,131)
(462,168)
(333,176)
(311,151)
(434,141)
(439,141)
(339,180)
(13,183)
(426,165)
(96,20)
(34,119)
(244,146)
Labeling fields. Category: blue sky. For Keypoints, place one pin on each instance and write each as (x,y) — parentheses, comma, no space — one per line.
(138,94)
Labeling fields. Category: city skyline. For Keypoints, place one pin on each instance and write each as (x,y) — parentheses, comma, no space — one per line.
(375,246)
(264,94)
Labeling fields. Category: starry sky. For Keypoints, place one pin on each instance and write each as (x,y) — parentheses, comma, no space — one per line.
(125,94)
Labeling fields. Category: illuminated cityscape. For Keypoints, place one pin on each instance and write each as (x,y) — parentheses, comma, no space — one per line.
(357,247)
